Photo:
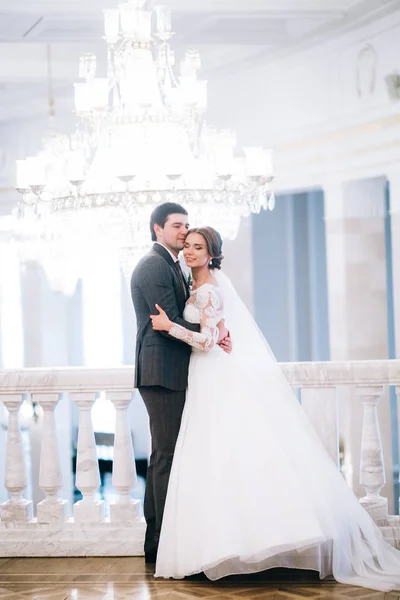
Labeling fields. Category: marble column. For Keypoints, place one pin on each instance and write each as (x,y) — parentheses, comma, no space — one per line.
(32,314)
(394,183)
(394,194)
(11,324)
(356,269)
(355,238)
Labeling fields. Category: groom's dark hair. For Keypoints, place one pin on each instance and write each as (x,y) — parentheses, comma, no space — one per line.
(161,213)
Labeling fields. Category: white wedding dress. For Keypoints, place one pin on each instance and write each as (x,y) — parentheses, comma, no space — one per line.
(251,486)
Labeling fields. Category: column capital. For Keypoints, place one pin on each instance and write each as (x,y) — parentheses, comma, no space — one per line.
(393,174)
(360,199)
(393,177)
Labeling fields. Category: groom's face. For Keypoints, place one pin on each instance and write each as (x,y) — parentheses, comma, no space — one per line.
(173,234)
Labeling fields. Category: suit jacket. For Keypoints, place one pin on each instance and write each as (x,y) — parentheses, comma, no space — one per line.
(160,359)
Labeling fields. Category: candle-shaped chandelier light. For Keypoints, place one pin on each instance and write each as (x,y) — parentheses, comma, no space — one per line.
(141,138)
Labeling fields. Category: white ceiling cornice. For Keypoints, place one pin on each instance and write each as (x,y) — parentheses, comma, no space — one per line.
(231,35)
(286,8)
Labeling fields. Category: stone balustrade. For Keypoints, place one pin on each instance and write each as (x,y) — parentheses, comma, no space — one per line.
(320,383)
(89,532)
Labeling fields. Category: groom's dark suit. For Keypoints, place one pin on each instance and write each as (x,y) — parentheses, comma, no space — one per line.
(161,371)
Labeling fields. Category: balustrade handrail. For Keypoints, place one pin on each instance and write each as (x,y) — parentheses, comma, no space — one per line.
(299,374)
(363,373)
(66,379)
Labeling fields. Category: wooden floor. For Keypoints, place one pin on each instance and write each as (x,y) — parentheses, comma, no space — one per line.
(130,579)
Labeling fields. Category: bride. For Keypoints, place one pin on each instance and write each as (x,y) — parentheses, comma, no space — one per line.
(251,486)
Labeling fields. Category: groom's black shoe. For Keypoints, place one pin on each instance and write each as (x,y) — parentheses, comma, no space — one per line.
(150,558)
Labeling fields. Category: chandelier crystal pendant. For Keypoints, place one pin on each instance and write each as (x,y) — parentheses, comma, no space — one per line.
(141,139)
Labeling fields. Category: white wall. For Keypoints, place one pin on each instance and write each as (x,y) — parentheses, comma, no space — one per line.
(310,109)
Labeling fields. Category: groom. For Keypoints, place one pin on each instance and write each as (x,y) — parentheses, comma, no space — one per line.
(162,362)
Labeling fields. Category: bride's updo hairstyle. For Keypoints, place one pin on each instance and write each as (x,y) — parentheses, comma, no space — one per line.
(214,244)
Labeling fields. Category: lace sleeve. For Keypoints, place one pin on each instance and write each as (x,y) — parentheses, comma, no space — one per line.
(207,302)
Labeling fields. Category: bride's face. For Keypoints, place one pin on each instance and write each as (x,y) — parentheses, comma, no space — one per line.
(195,251)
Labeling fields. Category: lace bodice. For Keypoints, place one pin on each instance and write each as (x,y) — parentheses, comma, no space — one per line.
(205,307)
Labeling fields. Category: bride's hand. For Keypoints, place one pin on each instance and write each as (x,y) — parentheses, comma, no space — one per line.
(161,322)
(224,338)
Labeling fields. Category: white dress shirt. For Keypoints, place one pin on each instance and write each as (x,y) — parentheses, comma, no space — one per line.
(174,258)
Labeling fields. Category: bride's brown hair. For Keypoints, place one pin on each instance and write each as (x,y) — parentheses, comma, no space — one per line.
(213,242)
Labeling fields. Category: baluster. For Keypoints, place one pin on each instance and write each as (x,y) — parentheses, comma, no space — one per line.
(87,467)
(124,479)
(372,469)
(52,508)
(320,405)
(16,508)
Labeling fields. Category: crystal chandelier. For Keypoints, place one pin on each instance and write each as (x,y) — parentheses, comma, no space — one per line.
(141,139)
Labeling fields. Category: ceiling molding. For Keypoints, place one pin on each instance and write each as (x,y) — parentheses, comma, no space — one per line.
(231,35)
(362,13)
(272,7)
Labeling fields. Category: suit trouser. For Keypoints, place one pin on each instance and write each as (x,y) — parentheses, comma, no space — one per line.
(165,409)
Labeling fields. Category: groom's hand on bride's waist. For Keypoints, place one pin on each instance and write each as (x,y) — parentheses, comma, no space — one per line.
(224,339)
